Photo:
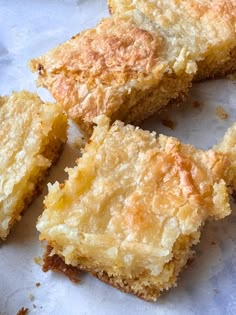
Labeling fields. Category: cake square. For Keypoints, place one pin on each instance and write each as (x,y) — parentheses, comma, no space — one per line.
(126,68)
(207,27)
(140,59)
(133,207)
(32,134)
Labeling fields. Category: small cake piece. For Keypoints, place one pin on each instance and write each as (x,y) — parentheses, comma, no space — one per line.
(31,136)
(221,112)
(127,68)
(206,26)
(133,207)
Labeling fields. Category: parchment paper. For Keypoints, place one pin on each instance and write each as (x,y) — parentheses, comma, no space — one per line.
(28,28)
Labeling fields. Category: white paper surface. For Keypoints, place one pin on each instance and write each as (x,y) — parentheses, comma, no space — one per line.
(207,286)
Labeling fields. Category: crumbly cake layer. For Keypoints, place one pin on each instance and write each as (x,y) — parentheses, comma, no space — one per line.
(32,134)
(181,254)
(228,147)
(133,207)
(206,27)
(55,263)
(127,68)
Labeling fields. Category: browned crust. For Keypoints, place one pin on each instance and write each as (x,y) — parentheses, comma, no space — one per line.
(56,264)
(111,281)
(110,9)
(23,311)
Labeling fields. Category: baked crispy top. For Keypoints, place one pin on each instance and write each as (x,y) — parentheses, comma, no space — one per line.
(211,20)
(93,72)
(224,9)
(107,53)
(131,196)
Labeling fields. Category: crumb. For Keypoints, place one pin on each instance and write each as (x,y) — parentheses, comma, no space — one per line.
(78,143)
(196,104)
(31,297)
(221,113)
(169,123)
(37,284)
(22,311)
(38,260)
(213,243)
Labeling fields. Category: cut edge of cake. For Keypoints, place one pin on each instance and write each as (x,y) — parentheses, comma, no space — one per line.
(53,135)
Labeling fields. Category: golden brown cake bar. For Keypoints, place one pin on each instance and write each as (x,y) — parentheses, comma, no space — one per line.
(32,134)
(140,59)
(127,68)
(133,207)
(206,27)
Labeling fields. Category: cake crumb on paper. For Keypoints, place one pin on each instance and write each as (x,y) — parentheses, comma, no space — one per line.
(38,260)
(221,113)
(37,284)
(169,123)
(23,311)
(196,104)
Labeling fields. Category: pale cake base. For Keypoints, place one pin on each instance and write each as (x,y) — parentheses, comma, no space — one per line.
(182,252)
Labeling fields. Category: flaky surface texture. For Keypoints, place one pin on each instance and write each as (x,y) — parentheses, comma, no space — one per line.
(228,147)
(31,136)
(127,68)
(207,27)
(133,207)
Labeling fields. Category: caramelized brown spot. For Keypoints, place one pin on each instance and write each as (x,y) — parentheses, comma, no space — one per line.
(41,69)
(74,36)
